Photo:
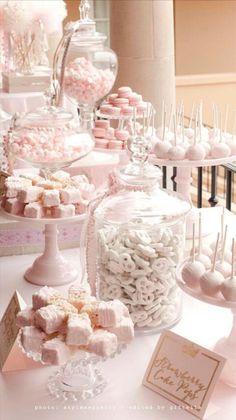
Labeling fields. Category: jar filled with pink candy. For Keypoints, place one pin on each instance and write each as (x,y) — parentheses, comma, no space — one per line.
(86,68)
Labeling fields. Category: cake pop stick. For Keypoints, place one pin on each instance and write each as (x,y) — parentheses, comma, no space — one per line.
(197,151)
(176,152)
(201,257)
(144,123)
(192,114)
(170,117)
(223,266)
(193,270)
(211,281)
(226,117)
(164,126)
(228,288)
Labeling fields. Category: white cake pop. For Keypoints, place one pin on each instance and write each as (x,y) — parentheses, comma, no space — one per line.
(201,256)
(231,142)
(162,148)
(211,281)
(207,148)
(223,266)
(193,270)
(196,151)
(176,152)
(228,288)
(220,150)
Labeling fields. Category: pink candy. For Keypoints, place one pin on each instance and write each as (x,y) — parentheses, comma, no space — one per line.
(85,82)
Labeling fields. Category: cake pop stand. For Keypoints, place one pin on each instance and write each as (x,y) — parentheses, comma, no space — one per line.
(51,268)
(226,346)
(184,181)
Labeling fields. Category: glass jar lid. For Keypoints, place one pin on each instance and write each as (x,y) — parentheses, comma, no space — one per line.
(155,206)
(46,116)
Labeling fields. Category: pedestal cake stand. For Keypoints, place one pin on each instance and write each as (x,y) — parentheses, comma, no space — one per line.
(51,268)
(226,346)
(184,181)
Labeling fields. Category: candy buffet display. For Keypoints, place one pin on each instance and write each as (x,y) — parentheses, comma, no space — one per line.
(85,67)
(140,232)
(77,331)
(60,196)
(49,137)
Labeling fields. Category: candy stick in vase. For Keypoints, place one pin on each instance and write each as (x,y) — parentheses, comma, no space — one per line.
(212,280)
(228,288)
(220,150)
(196,151)
(201,255)
(193,270)
(176,152)
(189,131)
(223,266)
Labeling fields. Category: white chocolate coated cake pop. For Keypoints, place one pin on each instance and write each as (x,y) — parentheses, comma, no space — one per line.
(211,281)
(228,288)
(196,151)
(176,152)
(193,270)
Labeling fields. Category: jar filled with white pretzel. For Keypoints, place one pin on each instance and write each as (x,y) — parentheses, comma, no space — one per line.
(140,234)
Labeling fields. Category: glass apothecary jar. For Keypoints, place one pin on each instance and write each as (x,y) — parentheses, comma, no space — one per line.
(84,66)
(49,137)
(140,239)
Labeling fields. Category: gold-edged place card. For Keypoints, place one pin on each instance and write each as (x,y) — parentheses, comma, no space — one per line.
(183,372)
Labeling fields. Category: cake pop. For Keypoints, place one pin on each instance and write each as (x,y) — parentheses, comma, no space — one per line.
(211,281)
(201,256)
(193,270)
(228,288)
(176,152)
(196,151)
(223,266)
(220,150)
(162,148)
(189,131)
(231,142)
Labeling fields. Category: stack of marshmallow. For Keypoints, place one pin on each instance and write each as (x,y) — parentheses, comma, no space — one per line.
(123,103)
(107,137)
(87,83)
(60,196)
(55,327)
(47,144)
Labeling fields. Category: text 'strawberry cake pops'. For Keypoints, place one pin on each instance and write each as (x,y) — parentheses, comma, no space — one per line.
(56,327)
(34,197)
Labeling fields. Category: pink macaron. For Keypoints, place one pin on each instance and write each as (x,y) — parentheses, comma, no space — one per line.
(99,132)
(124,92)
(121,102)
(112,97)
(110,133)
(115,144)
(135,99)
(121,135)
(102,124)
(101,143)
(127,111)
(105,108)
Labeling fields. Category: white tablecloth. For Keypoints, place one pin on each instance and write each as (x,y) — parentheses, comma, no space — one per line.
(24,396)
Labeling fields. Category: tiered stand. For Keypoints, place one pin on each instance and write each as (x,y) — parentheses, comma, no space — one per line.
(226,346)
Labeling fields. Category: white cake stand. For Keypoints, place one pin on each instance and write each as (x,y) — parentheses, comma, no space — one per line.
(184,181)
(51,268)
(226,346)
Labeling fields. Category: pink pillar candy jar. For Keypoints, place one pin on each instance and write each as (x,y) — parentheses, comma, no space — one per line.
(137,232)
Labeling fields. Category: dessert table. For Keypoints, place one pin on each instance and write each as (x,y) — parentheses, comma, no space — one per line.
(24,395)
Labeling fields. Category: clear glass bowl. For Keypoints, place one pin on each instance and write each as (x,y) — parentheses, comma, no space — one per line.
(49,137)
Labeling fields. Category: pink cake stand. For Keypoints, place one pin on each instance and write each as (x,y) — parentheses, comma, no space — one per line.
(226,346)
(51,268)
(184,181)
